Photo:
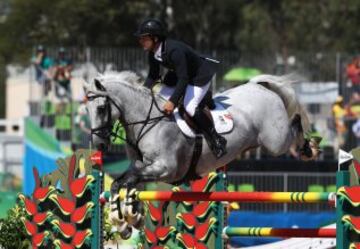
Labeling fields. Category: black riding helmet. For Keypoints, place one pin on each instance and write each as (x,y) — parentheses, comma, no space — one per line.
(152,27)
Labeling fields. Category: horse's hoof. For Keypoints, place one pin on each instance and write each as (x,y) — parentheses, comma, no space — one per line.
(131,213)
(125,231)
(311,152)
(114,217)
(139,222)
(136,220)
(305,158)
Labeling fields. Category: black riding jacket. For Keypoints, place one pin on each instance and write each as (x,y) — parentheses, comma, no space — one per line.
(188,66)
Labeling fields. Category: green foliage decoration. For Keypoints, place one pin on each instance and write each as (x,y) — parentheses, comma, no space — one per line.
(12,231)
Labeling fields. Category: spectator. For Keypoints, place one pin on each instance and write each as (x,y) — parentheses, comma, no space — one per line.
(82,130)
(339,113)
(353,74)
(354,105)
(356,131)
(62,75)
(43,64)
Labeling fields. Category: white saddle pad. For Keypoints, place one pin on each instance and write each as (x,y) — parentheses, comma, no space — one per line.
(222,118)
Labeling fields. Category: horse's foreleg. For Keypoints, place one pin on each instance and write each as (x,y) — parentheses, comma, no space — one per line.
(156,171)
(128,212)
(131,209)
(138,172)
(128,179)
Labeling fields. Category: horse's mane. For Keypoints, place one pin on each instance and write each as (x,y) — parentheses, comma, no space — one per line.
(123,77)
(127,79)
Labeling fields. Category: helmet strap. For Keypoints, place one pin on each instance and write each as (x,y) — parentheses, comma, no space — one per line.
(153,38)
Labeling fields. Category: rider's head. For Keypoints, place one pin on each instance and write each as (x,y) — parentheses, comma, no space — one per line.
(61,52)
(150,33)
(40,49)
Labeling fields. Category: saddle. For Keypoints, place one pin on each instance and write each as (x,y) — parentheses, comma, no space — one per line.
(222,119)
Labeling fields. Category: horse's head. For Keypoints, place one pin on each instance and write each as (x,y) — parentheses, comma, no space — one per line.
(101,114)
(116,96)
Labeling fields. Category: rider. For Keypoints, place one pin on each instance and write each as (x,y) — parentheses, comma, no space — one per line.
(189,77)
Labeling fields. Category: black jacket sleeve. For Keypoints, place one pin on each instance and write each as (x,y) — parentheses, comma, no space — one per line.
(154,72)
(178,59)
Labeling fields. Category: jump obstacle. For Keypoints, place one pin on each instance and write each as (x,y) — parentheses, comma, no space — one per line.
(64,209)
(267,197)
(280,232)
(202,212)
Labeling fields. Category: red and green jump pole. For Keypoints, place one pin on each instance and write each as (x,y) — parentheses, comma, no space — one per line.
(280,232)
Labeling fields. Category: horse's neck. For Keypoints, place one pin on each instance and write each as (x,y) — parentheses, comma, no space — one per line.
(134,105)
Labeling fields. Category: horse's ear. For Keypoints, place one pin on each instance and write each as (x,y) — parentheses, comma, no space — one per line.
(98,85)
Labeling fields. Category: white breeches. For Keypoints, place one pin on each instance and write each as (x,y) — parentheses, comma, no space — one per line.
(193,96)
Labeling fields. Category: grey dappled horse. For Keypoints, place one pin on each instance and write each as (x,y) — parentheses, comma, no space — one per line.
(265,111)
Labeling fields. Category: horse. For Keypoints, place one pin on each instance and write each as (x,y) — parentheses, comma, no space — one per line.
(265,113)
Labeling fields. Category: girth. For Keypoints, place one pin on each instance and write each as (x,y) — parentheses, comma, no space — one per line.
(191,174)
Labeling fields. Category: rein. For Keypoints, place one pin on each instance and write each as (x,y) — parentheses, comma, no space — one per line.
(105,131)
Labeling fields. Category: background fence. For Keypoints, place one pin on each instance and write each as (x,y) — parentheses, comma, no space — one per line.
(315,67)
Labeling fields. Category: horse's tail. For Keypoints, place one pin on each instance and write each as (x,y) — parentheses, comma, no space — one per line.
(281,85)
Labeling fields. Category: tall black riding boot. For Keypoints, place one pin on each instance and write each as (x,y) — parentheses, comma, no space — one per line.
(216,142)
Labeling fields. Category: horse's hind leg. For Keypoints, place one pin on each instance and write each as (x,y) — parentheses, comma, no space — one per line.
(276,134)
(309,146)
(298,130)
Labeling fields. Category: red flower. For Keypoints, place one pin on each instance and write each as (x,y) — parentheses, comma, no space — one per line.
(203,208)
(66,229)
(30,206)
(203,230)
(187,219)
(189,242)
(78,186)
(80,213)
(66,206)
(39,238)
(204,184)
(160,234)
(40,218)
(30,227)
(156,213)
(80,238)
(42,194)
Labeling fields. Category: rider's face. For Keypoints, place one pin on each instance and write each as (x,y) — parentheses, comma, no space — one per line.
(147,42)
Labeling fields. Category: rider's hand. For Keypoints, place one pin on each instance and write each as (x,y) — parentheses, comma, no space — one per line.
(169,107)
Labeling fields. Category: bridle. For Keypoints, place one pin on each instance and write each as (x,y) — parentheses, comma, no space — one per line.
(106,130)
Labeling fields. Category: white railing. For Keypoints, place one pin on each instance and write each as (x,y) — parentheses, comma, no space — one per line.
(12,127)
(11,145)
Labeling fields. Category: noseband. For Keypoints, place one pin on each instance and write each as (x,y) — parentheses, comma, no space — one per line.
(104,131)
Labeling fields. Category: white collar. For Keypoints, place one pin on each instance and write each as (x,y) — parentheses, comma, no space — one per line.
(157,53)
